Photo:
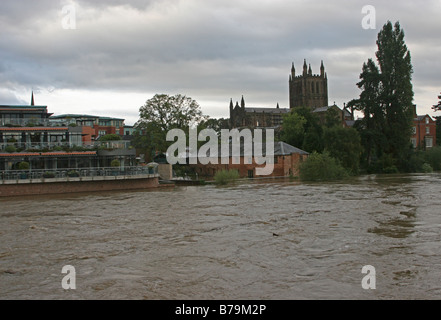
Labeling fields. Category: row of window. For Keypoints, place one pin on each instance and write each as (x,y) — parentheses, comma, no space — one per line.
(414,130)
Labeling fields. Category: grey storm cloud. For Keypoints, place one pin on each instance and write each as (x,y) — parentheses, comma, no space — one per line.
(218,49)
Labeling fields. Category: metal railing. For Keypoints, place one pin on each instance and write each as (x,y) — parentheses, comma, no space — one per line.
(53,146)
(34,123)
(40,174)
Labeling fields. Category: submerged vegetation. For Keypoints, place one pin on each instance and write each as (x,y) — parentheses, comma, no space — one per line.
(322,167)
(224,177)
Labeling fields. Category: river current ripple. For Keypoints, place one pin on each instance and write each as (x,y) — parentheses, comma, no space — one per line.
(276,239)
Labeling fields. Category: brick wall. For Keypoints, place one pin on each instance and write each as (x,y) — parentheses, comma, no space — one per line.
(7,190)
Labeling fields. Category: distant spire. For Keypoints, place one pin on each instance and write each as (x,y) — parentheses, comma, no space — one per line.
(32,99)
(242,103)
(310,70)
(305,67)
(293,70)
(231,103)
(277,105)
(322,70)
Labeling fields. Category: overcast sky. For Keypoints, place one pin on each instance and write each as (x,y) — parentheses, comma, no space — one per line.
(121,53)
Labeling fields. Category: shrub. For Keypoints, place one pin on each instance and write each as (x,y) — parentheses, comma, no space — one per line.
(110,137)
(433,157)
(115,163)
(10,149)
(73,173)
(391,170)
(224,177)
(49,174)
(321,167)
(427,168)
(23,165)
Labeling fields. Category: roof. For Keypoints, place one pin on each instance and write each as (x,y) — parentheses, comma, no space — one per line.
(267,110)
(64,116)
(280,149)
(421,118)
(321,109)
(40,154)
(21,107)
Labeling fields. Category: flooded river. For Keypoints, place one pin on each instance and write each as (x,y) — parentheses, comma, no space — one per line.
(277,239)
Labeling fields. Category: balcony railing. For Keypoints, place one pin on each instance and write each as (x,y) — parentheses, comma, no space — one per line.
(40,146)
(72,173)
(59,146)
(34,123)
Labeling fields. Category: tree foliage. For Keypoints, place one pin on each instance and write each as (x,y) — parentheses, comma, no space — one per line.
(161,114)
(321,167)
(437,107)
(344,145)
(386,99)
(302,129)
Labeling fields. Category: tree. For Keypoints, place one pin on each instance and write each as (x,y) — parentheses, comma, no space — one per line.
(437,107)
(438,130)
(168,112)
(372,124)
(396,94)
(214,124)
(302,129)
(386,98)
(293,131)
(161,114)
(344,145)
(321,167)
(332,118)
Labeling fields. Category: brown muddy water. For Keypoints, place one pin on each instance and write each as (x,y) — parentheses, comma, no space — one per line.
(276,239)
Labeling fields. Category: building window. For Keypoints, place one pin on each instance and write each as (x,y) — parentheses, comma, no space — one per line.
(427,120)
(413,141)
(413,130)
(429,142)
(427,130)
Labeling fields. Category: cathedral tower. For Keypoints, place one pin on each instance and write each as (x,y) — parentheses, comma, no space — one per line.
(308,90)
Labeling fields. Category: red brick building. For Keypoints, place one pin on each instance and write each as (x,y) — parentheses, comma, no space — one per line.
(423,131)
(286,163)
(93,126)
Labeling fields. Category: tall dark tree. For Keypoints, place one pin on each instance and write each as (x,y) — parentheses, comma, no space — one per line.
(372,124)
(396,93)
(386,98)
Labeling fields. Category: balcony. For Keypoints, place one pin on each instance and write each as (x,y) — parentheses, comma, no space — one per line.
(33,123)
(76,174)
(8,147)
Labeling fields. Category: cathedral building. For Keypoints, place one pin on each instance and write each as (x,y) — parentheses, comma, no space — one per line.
(307,89)
(241,116)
